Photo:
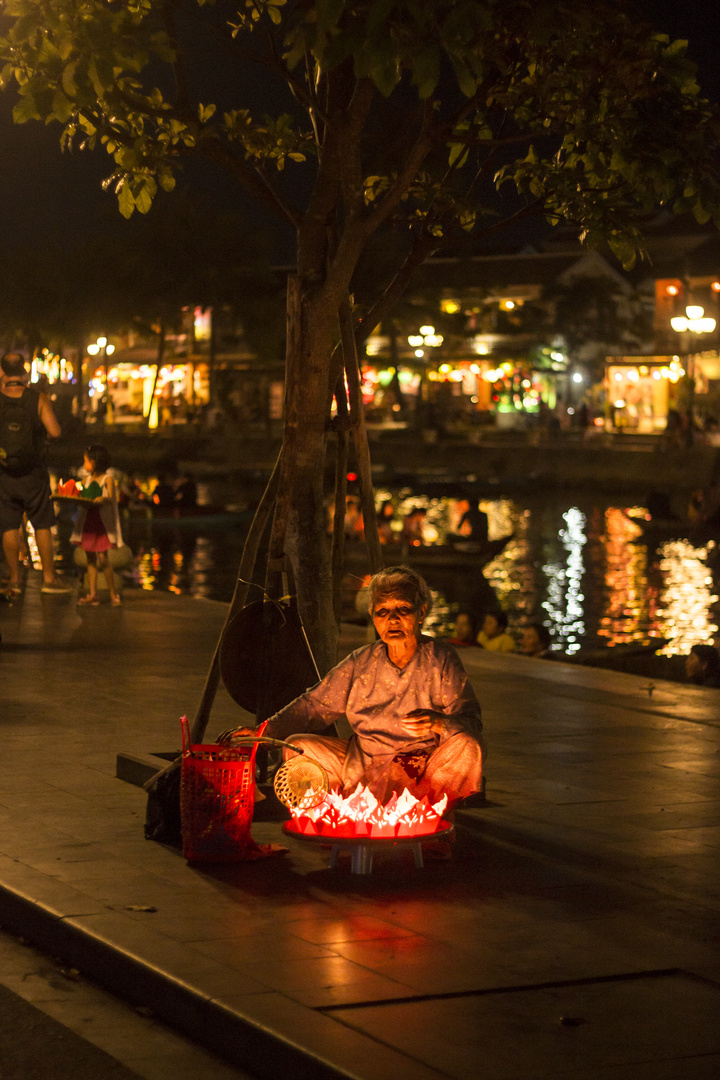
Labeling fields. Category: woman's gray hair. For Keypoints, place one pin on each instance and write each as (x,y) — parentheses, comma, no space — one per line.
(394,580)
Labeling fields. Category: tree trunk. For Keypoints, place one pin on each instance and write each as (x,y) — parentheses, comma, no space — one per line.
(299,525)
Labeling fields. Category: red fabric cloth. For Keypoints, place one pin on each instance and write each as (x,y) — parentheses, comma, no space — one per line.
(94,536)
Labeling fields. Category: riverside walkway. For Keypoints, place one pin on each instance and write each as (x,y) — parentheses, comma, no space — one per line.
(573,934)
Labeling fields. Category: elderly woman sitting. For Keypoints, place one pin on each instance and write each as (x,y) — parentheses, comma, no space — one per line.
(414,716)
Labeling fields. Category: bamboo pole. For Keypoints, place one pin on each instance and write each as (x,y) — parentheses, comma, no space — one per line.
(276,552)
(245,572)
(341,462)
(359,430)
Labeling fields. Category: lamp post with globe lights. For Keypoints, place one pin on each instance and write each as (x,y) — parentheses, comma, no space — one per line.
(103,348)
(694,321)
(425,339)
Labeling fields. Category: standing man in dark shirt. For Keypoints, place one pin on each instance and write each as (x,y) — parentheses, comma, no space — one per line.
(26,421)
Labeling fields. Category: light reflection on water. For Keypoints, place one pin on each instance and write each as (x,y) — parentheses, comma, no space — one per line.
(630,597)
(565,601)
(689,597)
(581,566)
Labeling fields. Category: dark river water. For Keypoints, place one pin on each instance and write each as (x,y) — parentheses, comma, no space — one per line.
(577,563)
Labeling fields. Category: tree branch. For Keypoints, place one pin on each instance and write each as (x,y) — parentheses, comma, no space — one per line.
(421,249)
(254,182)
(350,158)
(423,144)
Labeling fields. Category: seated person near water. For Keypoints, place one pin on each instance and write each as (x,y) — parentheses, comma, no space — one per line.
(413,713)
(535,641)
(494,635)
(186,492)
(163,494)
(702,666)
(412,529)
(465,631)
(476,521)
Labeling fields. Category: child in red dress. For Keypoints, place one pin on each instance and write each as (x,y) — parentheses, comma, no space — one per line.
(97,528)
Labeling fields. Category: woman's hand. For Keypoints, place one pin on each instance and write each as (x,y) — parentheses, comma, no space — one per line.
(422,722)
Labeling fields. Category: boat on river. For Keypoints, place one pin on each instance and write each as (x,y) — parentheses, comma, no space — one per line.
(457,555)
(188,517)
(658,530)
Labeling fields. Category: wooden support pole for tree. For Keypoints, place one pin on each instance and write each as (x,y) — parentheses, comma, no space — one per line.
(359,429)
(341,462)
(245,572)
(276,551)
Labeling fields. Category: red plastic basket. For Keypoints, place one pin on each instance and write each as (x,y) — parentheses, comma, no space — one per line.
(217,798)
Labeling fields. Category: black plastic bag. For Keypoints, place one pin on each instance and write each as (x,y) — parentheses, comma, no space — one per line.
(162,817)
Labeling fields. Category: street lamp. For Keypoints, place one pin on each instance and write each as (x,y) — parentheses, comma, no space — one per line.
(693,321)
(426,336)
(98,347)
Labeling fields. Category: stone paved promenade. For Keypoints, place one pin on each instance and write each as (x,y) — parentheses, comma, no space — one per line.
(575,933)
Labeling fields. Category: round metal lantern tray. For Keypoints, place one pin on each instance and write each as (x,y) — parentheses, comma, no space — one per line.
(362,848)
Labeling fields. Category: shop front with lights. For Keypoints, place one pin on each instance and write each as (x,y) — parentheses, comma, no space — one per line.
(458,392)
(641,391)
(137,392)
(56,375)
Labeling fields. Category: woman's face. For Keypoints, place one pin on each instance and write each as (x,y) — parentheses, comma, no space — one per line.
(463,628)
(398,619)
(491,626)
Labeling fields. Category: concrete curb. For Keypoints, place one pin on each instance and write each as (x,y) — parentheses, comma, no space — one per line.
(272,1036)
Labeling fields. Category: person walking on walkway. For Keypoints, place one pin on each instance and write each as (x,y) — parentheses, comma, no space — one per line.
(97,527)
(27,420)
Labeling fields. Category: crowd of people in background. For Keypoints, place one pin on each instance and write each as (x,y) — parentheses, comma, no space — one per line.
(490,632)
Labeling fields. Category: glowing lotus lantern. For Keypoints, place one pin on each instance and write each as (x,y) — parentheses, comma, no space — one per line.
(360,815)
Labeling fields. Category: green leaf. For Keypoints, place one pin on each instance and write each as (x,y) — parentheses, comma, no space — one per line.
(62,107)
(426,71)
(205,112)
(676,48)
(378,14)
(126,200)
(328,14)
(459,154)
(623,250)
(166,181)
(26,109)
(144,194)
(466,80)
(68,79)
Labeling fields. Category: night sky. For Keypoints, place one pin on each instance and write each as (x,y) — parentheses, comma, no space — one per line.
(51,199)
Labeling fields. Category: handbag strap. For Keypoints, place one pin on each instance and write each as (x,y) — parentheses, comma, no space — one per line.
(256,739)
(185,732)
